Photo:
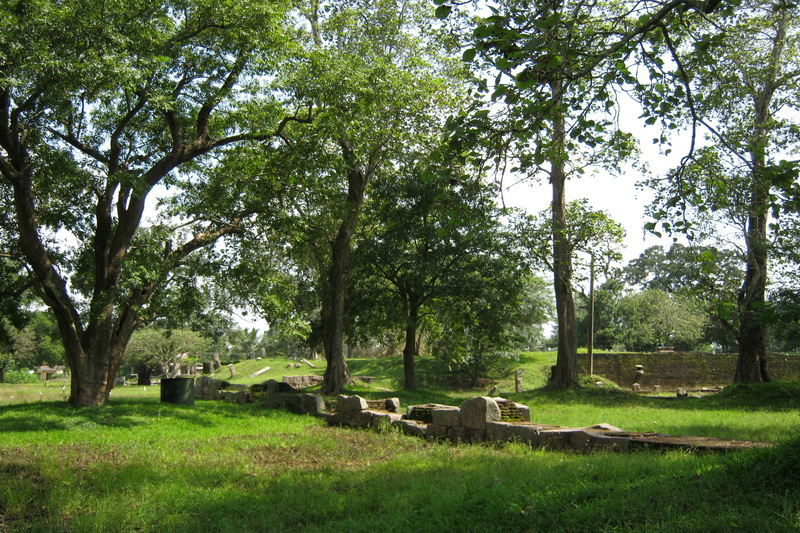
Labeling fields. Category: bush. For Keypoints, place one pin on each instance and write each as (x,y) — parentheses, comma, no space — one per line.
(19,376)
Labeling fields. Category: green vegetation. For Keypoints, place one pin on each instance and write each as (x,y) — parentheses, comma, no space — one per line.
(136,464)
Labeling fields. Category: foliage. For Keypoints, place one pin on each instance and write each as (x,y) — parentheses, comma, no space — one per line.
(745,98)
(706,273)
(653,318)
(168,349)
(477,331)
(432,239)
(550,106)
(104,104)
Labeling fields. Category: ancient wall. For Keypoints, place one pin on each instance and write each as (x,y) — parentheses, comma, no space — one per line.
(678,369)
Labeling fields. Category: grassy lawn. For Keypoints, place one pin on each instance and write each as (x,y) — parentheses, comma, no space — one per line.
(138,465)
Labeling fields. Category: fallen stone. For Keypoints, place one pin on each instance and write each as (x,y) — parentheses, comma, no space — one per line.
(302,382)
(346,404)
(476,412)
(436,431)
(446,416)
(393,405)
(259,372)
(410,427)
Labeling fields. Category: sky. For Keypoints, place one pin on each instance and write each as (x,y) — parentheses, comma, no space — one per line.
(618,195)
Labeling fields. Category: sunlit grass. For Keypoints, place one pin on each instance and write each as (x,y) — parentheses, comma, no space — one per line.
(139,465)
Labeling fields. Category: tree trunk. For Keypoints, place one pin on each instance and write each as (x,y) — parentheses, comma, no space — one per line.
(565,372)
(751,365)
(145,375)
(410,349)
(337,373)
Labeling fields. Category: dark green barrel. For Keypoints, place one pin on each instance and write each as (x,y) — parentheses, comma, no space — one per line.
(177,390)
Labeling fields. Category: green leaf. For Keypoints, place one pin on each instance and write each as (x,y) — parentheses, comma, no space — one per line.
(524,80)
(469,55)
(442,12)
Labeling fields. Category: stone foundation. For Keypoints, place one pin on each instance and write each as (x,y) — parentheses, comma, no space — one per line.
(485,419)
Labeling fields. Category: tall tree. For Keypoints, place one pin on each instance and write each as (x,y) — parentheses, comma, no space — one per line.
(592,238)
(749,96)
(373,77)
(426,232)
(557,64)
(101,103)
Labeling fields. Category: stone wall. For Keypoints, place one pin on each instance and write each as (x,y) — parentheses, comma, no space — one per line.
(672,370)
(485,419)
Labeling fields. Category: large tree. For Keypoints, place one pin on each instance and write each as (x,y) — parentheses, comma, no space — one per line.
(558,65)
(427,232)
(747,98)
(373,78)
(102,103)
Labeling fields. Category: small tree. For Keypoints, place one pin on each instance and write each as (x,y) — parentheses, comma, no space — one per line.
(653,318)
(166,349)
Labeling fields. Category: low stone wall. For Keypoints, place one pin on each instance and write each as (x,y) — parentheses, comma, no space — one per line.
(207,388)
(672,370)
(481,420)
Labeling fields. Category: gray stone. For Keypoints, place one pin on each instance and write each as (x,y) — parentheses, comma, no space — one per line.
(410,427)
(465,434)
(446,416)
(312,404)
(513,432)
(525,411)
(553,439)
(606,427)
(379,419)
(436,431)
(272,387)
(476,412)
(346,404)
(302,382)
(235,396)
(393,405)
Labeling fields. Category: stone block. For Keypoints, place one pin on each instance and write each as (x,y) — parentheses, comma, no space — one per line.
(312,404)
(235,396)
(436,431)
(393,405)
(553,439)
(346,404)
(379,419)
(446,416)
(302,382)
(606,427)
(465,434)
(525,411)
(410,427)
(476,412)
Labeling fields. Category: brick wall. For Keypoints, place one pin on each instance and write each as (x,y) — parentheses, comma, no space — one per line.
(689,370)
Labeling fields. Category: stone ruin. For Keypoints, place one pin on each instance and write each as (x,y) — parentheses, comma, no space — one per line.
(485,419)
(476,420)
(207,388)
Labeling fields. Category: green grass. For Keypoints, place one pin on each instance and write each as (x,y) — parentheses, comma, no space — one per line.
(139,465)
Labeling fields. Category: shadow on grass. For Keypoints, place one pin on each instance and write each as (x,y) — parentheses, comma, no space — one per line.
(119,413)
(453,489)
